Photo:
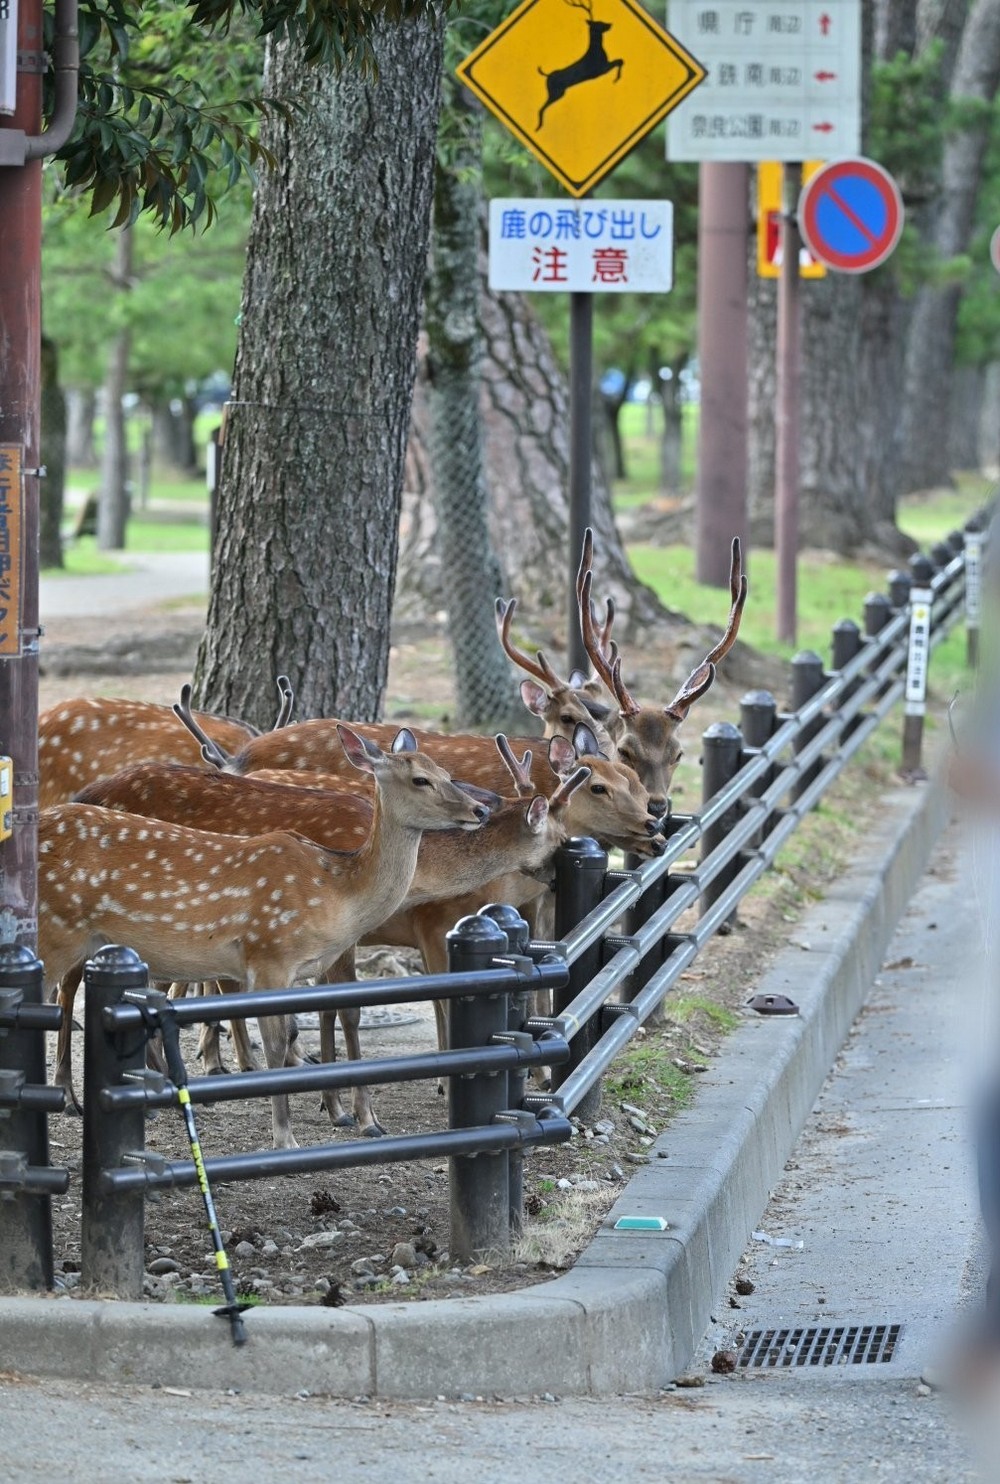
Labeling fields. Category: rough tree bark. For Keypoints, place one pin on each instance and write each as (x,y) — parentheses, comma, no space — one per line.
(930,351)
(53,446)
(470,573)
(112,508)
(305,560)
(968,391)
(525,409)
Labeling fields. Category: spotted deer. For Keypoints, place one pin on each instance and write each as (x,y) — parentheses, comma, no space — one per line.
(88,738)
(265,910)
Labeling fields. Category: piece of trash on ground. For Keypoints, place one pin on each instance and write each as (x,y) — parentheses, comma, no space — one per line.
(778,1241)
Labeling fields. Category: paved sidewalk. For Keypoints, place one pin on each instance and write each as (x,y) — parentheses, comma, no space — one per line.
(147,578)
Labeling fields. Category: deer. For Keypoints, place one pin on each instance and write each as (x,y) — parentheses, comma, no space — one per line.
(644,737)
(86,738)
(560,704)
(594,63)
(263,910)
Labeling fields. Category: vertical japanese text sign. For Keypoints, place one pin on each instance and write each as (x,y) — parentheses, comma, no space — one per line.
(10,549)
(8,55)
(921,599)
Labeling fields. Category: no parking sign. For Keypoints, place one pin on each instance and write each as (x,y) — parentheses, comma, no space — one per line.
(851,215)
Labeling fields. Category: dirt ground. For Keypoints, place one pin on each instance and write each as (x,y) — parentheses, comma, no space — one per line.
(363,1235)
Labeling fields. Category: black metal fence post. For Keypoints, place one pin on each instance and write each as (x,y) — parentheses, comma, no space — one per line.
(721,759)
(808,677)
(111,1241)
(517,932)
(758,719)
(899,584)
(878,611)
(25,1209)
(918,657)
(973,537)
(480,1183)
(581,865)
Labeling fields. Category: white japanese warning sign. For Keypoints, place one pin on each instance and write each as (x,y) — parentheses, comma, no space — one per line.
(606,247)
(8,55)
(919,651)
(973,577)
(783,83)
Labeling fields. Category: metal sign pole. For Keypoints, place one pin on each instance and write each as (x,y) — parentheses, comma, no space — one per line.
(581,446)
(786,494)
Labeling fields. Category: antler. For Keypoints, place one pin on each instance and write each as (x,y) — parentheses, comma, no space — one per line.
(210,751)
(607,662)
(539,666)
(520,772)
(701,678)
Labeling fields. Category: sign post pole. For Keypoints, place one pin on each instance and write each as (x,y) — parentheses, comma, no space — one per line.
(786,494)
(581,443)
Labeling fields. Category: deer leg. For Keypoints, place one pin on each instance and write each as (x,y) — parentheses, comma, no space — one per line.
(344,971)
(274,1037)
(63,1074)
(619,63)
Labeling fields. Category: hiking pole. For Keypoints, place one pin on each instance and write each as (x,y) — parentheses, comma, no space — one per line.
(231,1309)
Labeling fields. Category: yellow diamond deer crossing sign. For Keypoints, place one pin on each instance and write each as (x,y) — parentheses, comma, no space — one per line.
(579,82)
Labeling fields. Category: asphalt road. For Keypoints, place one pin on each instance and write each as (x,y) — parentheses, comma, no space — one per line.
(879,1192)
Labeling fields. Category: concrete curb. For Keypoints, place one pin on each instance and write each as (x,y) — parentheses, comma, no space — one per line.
(629,1315)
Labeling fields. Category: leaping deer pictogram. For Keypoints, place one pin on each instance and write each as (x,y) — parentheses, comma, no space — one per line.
(595,61)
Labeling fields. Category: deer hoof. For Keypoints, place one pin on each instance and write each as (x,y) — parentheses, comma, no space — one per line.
(373,1131)
(344,1120)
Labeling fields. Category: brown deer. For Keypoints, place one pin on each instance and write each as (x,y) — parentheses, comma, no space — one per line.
(594,63)
(644,737)
(266,910)
(561,704)
(88,738)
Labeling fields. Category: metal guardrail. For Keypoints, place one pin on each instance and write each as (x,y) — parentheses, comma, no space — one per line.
(618,953)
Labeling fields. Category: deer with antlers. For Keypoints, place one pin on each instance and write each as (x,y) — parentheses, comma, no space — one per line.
(265,910)
(88,738)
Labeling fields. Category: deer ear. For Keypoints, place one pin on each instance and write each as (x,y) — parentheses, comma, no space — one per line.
(584,741)
(562,756)
(577,680)
(404,741)
(357,749)
(537,813)
(533,696)
(597,709)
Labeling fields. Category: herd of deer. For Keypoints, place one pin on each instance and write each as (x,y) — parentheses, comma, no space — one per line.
(235,859)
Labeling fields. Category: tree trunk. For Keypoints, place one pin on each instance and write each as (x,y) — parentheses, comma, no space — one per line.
(525,408)
(671,399)
(930,351)
(762,361)
(989,421)
(312,472)
(113,505)
(611,408)
(187,449)
(53,447)
(81,404)
(968,391)
(470,572)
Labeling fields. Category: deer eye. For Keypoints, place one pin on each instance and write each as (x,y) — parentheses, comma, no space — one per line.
(598,788)
(625,754)
(421,782)
(566,719)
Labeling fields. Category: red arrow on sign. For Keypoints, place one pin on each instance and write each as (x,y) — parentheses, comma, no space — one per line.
(824,24)
(823,128)
(825,76)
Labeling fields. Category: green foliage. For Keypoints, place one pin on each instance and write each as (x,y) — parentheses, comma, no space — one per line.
(166,123)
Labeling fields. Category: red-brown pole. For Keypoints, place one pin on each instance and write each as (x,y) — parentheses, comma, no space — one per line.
(721,506)
(786,494)
(20,358)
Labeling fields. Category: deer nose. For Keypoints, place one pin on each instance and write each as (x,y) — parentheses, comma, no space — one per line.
(652,826)
(481,812)
(658,807)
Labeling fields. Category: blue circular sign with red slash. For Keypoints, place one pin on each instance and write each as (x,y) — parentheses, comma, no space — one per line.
(851,215)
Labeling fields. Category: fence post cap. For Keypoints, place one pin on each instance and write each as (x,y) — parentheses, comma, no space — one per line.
(17,963)
(508,920)
(582,846)
(757,698)
(722,731)
(478,930)
(807,657)
(921,569)
(847,626)
(116,961)
(956,540)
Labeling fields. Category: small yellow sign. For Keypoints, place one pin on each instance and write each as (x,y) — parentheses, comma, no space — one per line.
(769,179)
(11,514)
(580,82)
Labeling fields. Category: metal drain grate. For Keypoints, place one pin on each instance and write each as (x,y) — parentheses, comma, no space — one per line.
(835,1344)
